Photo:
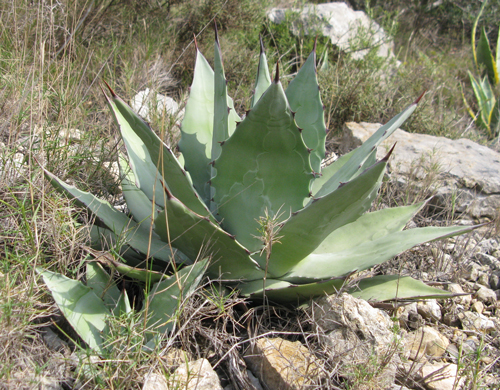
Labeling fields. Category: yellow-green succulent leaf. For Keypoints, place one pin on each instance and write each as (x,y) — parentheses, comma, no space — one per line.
(485,58)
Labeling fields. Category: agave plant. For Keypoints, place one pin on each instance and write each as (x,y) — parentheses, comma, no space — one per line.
(252,193)
(485,88)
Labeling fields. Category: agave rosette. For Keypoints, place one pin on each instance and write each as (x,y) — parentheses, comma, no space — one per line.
(233,171)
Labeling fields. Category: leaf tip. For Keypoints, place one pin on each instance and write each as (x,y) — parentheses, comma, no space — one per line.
(277,74)
(420,97)
(110,89)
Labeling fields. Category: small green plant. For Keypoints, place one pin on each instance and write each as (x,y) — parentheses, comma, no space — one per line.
(253,194)
(485,87)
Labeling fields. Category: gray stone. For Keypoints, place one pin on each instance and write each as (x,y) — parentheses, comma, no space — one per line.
(486,295)
(429,309)
(155,381)
(488,260)
(466,171)
(197,375)
(408,316)
(144,102)
(355,332)
(282,364)
(494,280)
(426,341)
(346,28)
(476,322)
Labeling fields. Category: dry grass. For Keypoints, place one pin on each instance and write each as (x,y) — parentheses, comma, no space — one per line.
(53,56)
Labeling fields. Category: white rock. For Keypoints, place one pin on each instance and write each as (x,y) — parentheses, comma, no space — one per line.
(345,27)
(143,102)
(486,295)
(155,381)
(197,375)
(467,170)
(425,341)
(440,376)
(476,322)
(464,300)
(355,332)
(429,309)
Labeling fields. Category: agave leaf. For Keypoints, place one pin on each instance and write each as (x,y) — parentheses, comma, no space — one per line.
(372,252)
(485,58)
(144,275)
(138,202)
(84,310)
(120,224)
(169,294)
(159,161)
(103,239)
(197,235)
(391,287)
(286,292)
(361,154)
(263,166)
(334,167)
(305,100)
(102,284)
(304,231)
(223,114)
(263,79)
(123,305)
(197,126)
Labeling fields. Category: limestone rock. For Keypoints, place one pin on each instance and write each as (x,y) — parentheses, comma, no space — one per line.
(341,24)
(408,316)
(429,309)
(439,376)
(155,381)
(282,364)
(355,332)
(464,168)
(426,341)
(197,375)
(146,101)
(464,300)
(476,322)
(486,295)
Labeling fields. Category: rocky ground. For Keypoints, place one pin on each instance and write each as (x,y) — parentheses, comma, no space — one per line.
(339,341)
